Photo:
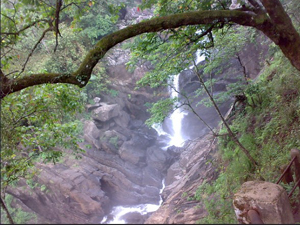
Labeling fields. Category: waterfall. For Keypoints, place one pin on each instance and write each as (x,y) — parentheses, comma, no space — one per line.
(176,139)
(177,116)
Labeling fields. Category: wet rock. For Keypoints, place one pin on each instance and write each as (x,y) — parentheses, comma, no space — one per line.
(123,119)
(135,124)
(157,158)
(134,218)
(111,141)
(134,150)
(152,177)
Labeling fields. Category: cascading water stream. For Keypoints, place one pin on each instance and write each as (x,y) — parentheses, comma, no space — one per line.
(176,117)
(176,139)
(119,211)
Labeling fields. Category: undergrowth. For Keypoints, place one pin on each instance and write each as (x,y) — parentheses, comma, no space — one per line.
(269,127)
(18,215)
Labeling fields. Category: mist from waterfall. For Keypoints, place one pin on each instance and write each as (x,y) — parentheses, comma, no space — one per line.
(143,209)
(176,139)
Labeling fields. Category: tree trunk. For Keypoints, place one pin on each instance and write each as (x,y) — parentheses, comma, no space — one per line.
(281,31)
(231,134)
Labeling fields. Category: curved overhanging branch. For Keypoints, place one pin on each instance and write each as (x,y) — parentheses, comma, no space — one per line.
(285,36)
(83,74)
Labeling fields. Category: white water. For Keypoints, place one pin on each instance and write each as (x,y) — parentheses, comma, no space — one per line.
(119,211)
(176,117)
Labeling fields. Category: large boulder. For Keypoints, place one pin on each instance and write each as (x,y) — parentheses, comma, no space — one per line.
(268,199)
(134,150)
(157,158)
(111,141)
(91,133)
(105,112)
(123,119)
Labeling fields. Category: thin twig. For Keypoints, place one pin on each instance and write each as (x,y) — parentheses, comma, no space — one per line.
(35,46)
(6,211)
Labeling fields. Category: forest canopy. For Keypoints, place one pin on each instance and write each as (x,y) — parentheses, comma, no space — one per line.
(268,16)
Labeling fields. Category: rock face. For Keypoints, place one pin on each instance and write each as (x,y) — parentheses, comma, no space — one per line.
(268,199)
(182,180)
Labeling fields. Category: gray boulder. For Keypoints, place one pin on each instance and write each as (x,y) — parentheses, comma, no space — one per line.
(123,119)
(134,150)
(105,112)
(91,133)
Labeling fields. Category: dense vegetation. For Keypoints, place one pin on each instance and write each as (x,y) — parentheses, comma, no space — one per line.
(269,127)
(38,122)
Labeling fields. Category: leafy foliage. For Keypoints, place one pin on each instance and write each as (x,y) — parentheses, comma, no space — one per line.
(160,110)
(33,124)
(39,122)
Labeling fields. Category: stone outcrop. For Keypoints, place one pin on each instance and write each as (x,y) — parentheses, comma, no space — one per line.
(105,112)
(91,133)
(268,199)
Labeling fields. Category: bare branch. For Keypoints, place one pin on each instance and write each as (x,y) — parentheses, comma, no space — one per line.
(24,28)
(72,3)
(232,135)
(33,49)
(56,29)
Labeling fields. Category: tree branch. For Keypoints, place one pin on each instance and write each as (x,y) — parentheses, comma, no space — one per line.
(24,28)
(35,46)
(6,211)
(56,29)
(82,75)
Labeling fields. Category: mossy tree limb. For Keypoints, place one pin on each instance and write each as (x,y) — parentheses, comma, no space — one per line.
(281,32)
